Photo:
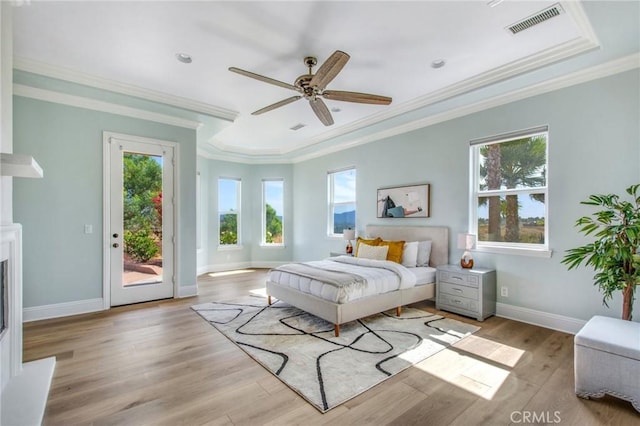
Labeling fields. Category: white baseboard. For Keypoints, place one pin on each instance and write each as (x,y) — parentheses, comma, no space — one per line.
(239,265)
(223,267)
(267,264)
(56,310)
(187,291)
(77,307)
(540,318)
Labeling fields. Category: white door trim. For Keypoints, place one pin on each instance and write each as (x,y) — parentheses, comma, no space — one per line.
(106,211)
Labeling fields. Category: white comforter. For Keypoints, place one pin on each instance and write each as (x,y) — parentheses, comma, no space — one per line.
(381,276)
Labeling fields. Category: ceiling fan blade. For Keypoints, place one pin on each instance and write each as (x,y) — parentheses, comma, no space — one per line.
(363,98)
(321,110)
(329,69)
(276,105)
(264,79)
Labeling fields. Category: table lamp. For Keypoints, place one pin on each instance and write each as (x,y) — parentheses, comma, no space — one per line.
(349,234)
(466,242)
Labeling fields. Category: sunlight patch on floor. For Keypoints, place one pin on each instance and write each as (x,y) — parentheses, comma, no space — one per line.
(227,273)
(262,292)
(462,365)
(494,351)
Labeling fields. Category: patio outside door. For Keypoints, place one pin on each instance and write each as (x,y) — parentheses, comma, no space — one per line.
(141,220)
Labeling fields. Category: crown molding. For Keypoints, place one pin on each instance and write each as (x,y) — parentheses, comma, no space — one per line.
(626,63)
(74,76)
(211,153)
(586,42)
(95,105)
(617,66)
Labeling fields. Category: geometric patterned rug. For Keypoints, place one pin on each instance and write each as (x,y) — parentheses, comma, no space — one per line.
(302,351)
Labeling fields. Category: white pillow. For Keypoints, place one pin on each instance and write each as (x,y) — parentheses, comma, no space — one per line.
(410,254)
(424,253)
(373,252)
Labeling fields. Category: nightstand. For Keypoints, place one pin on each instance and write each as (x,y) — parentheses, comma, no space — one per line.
(469,292)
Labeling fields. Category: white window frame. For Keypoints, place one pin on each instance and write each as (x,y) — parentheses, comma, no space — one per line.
(331,199)
(263,241)
(237,212)
(539,250)
(199,212)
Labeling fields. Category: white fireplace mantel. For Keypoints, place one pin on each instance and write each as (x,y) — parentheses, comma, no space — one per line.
(25,386)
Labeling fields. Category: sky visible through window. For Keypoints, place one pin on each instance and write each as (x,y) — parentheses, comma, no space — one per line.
(228,195)
(527,208)
(344,190)
(273,193)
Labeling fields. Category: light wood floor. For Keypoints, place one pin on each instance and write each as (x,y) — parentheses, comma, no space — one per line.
(159,363)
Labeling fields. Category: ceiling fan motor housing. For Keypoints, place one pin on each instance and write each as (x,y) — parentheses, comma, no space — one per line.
(303,83)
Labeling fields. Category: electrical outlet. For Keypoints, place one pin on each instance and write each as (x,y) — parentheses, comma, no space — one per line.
(504,291)
(88,229)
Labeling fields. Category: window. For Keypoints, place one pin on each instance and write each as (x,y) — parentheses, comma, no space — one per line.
(229,211)
(198,211)
(342,200)
(509,190)
(272,212)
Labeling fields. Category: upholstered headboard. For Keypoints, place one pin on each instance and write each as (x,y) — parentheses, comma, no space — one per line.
(439,236)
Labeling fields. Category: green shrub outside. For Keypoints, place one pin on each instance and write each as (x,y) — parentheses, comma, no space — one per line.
(140,245)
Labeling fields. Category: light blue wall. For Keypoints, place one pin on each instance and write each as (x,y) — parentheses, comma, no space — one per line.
(594,147)
(251,253)
(61,262)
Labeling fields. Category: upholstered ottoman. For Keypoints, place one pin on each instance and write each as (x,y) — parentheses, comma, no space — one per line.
(607,359)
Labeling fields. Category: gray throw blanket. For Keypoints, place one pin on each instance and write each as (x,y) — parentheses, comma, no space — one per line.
(335,278)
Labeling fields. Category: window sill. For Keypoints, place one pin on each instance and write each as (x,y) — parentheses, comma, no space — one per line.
(515,251)
(230,247)
(272,246)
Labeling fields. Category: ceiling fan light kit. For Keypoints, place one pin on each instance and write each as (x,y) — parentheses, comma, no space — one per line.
(312,87)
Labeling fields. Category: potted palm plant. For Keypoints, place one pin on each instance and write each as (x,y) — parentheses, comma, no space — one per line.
(614,252)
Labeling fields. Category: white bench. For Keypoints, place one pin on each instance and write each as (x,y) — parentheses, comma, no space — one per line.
(607,359)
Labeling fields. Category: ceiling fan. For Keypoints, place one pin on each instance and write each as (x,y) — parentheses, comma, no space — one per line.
(312,87)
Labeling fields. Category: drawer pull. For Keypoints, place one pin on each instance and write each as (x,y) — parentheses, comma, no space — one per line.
(456,301)
(457,278)
(457,289)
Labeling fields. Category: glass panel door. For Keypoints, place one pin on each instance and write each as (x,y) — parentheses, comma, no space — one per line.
(141,219)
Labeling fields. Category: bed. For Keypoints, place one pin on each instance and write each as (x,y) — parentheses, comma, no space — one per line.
(338,311)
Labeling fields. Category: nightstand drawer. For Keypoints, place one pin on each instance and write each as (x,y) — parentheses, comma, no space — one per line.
(470,292)
(459,278)
(458,302)
(458,290)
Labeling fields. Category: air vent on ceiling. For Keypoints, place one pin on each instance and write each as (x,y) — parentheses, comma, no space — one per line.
(536,19)
(297,126)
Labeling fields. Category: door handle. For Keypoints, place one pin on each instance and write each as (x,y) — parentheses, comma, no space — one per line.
(116,245)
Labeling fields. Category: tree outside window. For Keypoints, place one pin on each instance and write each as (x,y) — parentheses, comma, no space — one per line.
(273,211)
(229,211)
(510,190)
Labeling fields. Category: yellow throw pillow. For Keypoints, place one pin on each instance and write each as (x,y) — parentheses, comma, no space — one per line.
(373,242)
(395,250)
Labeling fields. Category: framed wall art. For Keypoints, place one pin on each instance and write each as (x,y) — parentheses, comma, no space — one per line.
(404,201)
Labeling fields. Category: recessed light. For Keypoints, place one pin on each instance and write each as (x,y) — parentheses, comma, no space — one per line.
(185,58)
(438,63)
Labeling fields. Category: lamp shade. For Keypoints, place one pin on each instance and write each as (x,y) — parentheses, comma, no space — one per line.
(349,234)
(466,241)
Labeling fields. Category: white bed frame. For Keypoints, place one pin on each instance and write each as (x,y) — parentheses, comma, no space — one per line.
(341,313)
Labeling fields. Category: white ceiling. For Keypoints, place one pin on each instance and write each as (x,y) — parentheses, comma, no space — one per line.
(391,44)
